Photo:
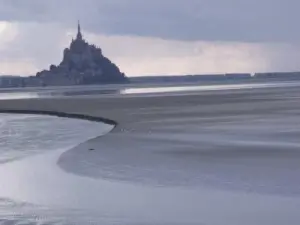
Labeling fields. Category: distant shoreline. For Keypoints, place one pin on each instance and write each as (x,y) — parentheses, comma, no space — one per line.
(148,82)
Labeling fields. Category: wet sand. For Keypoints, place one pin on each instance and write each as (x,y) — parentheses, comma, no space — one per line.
(239,148)
(195,138)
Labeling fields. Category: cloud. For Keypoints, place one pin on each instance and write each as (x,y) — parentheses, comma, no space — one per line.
(154,37)
(169,57)
(210,20)
(25,47)
(37,46)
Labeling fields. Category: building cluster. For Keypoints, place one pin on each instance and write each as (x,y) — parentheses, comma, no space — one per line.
(82,64)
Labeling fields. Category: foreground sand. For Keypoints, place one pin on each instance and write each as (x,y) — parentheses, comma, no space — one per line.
(233,155)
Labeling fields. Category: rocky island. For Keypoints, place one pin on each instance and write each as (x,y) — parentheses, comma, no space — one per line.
(85,64)
(82,64)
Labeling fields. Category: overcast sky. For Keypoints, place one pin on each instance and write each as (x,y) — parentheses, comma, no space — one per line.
(154,37)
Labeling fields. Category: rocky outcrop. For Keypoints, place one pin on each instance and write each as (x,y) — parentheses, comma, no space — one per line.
(82,63)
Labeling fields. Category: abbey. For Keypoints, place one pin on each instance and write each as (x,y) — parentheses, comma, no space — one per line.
(82,64)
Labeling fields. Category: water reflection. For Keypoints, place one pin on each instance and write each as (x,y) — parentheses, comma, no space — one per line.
(56,93)
(18,95)
(146,90)
(88,91)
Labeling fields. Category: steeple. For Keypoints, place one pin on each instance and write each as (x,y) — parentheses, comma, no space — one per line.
(79,35)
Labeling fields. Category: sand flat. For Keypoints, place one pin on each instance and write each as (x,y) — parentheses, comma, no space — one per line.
(202,157)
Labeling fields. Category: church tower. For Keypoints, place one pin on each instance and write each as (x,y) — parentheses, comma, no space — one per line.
(79,35)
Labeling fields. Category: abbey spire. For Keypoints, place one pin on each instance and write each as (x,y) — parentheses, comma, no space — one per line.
(79,35)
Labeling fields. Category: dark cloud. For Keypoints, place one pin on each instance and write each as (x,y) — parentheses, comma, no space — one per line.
(221,20)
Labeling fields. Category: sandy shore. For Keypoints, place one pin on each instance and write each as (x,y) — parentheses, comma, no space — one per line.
(244,142)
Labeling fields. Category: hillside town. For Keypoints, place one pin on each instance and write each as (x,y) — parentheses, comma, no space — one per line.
(82,64)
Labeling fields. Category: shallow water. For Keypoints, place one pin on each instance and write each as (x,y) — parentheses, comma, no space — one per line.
(28,136)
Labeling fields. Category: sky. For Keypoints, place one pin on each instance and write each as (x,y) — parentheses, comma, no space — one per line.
(157,37)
